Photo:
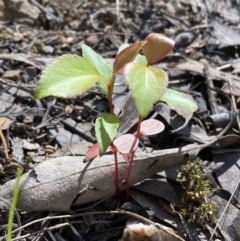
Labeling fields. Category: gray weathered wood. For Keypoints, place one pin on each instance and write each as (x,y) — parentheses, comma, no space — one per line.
(55,183)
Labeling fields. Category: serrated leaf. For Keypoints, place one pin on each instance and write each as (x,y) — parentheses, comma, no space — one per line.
(103,87)
(178,98)
(106,127)
(126,143)
(97,61)
(126,56)
(102,65)
(147,85)
(67,76)
(151,127)
(157,47)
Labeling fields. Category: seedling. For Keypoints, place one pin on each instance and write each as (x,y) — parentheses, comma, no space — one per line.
(72,75)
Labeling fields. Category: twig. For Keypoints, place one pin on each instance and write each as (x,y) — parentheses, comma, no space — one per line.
(121,212)
(3,139)
(45,10)
(25,87)
(211,94)
(40,231)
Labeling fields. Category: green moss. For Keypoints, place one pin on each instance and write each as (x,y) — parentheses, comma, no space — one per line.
(196,206)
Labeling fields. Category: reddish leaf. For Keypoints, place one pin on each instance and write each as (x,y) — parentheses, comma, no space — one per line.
(157,47)
(93,151)
(151,127)
(126,143)
(126,56)
(126,156)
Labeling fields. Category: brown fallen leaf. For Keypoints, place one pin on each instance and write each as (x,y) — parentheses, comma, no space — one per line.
(20,9)
(182,63)
(226,34)
(54,184)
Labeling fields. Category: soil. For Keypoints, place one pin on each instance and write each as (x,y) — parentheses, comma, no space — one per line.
(204,65)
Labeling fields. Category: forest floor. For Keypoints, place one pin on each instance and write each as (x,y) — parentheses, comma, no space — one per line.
(38,135)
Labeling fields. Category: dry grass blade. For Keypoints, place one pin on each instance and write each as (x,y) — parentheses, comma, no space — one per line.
(3,139)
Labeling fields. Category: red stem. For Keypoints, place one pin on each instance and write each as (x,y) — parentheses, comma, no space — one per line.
(138,134)
(111,111)
(110,100)
(129,175)
(110,89)
(117,175)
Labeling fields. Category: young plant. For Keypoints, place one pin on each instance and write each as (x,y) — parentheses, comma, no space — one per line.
(72,75)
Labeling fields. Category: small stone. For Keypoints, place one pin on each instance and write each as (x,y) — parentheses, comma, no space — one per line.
(48,49)
(92,39)
(12,74)
(70,40)
(30,146)
(17,36)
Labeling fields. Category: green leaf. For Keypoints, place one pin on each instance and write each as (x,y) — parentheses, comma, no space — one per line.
(103,87)
(175,97)
(102,65)
(147,85)
(157,47)
(67,76)
(97,61)
(106,127)
(141,59)
(127,55)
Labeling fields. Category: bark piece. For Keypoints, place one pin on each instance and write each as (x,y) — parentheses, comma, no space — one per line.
(225,34)
(21,9)
(12,74)
(56,183)
(73,148)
